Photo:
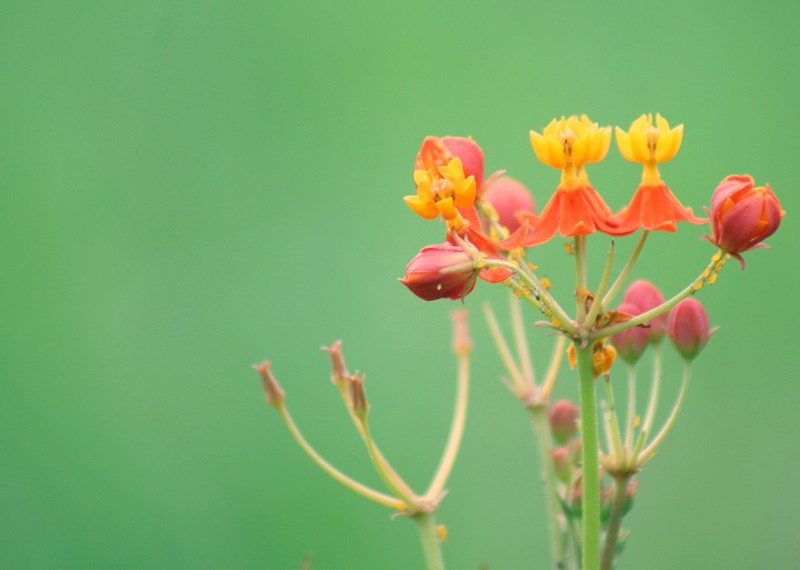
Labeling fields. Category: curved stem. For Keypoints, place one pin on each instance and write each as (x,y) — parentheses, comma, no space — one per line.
(389,477)
(426,525)
(580,275)
(558,543)
(456,431)
(649,451)
(521,339)
(631,408)
(371,494)
(620,280)
(552,369)
(590,449)
(614,522)
(612,425)
(597,304)
(502,348)
(655,386)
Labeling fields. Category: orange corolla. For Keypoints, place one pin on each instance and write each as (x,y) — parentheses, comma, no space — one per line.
(575,208)
(443,190)
(653,206)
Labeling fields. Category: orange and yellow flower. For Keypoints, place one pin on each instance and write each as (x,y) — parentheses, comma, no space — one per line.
(653,206)
(575,208)
(443,190)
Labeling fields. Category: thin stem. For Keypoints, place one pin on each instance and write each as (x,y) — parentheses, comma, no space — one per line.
(373,495)
(552,370)
(521,341)
(456,431)
(631,407)
(502,348)
(389,477)
(426,525)
(597,304)
(614,436)
(620,280)
(655,386)
(649,451)
(590,449)
(558,543)
(615,521)
(707,276)
(580,275)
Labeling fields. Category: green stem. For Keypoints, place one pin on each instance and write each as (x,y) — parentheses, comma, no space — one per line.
(580,276)
(426,525)
(615,522)
(590,449)
(597,304)
(655,387)
(625,270)
(631,408)
(558,542)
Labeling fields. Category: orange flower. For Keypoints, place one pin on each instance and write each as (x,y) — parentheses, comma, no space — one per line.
(438,151)
(653,206)
(575,208)
(442,191)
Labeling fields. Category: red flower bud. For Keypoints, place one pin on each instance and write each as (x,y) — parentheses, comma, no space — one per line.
(426,276)
(438,151)
(563,420)
(646,296)
(689,327)
(632,343)
(742,216)
(507,197)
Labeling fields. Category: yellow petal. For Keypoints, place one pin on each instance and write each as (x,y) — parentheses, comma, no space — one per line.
(466,195)
(600,143)
(668,144)
(639,145)
(425,208)
(555,152)
(581,150)
(661,124)
(624,144)
(448,208)
(641,124)
(539,144)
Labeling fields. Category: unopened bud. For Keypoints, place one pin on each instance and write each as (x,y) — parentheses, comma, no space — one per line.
(272,390)
(689,327)
(462,342)
(644,295)
(563,421)
(632,343)
(562,462)
(507,197)
(441,271)
(338,369)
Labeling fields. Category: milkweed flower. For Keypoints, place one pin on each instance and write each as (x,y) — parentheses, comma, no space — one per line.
(689,328)
(442,191)
(575,208)
(742,215)
(653,206)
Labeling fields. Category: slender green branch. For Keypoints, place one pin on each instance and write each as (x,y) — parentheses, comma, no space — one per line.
(614,435)
(631,407)
(558,542)
(552,370)
(426,525)
(615,521)
(620,280)
(371,494)
(597,304)
(389,477)
(502,348)
(456,432)
(655,386)
(590,450)
(521,339)
(580,276)
(649,451)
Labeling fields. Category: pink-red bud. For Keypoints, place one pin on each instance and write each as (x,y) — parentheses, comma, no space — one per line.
(742,215)
(632,343)
(644,295)
(563,421)
(507,197)
(272,390)
(689,327)
(440,271)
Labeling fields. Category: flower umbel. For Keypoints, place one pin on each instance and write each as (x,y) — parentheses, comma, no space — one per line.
(742,215)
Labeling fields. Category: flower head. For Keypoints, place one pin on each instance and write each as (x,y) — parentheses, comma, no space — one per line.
(650,143)
(569,143)
(442,191)
(689,327)
(742,215)
(441,271)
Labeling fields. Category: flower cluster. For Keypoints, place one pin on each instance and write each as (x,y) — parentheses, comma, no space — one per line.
(486,217)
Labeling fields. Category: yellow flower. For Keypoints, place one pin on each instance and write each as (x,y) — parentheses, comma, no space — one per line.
(645,142)
(571,142)
(442,191)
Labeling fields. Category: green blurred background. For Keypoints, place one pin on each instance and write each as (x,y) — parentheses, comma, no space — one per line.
(191,187)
